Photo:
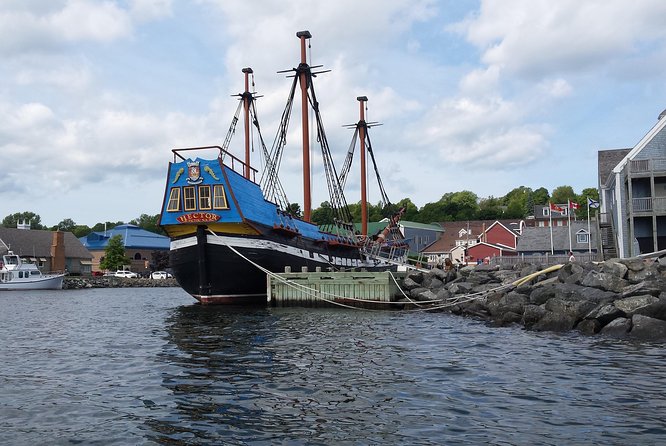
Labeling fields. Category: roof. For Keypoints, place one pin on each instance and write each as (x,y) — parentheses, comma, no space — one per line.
(415,225)
(37,243)
(659,126)
(537,239)
(452,233)
(607,160)
(133,237)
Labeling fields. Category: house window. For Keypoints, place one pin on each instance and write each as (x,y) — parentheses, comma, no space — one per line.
(560,223)
(546,212)
(219,197)
(460,242)
(542,224)
(137,256)
(204,197)
(582,237)
(174,200)
(190,198)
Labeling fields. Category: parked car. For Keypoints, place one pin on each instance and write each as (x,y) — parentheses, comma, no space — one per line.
(126,274)
(160,275)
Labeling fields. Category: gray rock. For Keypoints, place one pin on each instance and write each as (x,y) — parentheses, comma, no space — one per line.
(432,282)
(416,276)
(509,318)
(652,287)
(532,314)
(648,273)
(509,303)
(409,284)
(632,264)
(656,310)
(460,287)
(617,328)
(552,321)
(647,328)
(604,281)
(541,295)
(414,292)
(569,270)
(630,304)
(605,313)
(425,296)
(438,273)
(443,294)
(589,326)
(566,309)
(615,268)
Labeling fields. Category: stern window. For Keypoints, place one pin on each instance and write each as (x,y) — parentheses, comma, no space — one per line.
(204,197)
(190,198)
(219,197)
(174,200)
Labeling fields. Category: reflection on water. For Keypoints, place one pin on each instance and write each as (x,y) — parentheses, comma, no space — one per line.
(147,366)
(338,376)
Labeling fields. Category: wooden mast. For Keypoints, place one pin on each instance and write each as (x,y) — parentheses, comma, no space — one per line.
(361,133)
(247,97)
(303,70)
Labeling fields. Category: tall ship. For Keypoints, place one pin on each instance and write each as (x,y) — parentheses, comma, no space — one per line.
(231,225)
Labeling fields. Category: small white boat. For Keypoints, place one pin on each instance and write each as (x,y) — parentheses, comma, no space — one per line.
(17,275)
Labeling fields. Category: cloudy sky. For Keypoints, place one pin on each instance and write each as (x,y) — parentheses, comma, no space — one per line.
(473,95)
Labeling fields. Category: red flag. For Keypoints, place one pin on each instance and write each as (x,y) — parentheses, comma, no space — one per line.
(573,205)
(554,207)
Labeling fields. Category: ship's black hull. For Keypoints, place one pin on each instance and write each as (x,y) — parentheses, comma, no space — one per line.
(214,273)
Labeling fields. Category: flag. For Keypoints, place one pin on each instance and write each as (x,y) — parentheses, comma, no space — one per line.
(573,205)
(594,204)
(554,207)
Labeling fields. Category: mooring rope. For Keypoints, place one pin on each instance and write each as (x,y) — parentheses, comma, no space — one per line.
(445,303)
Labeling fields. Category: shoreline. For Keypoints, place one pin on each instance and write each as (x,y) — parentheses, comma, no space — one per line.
(80,282)
(622,298)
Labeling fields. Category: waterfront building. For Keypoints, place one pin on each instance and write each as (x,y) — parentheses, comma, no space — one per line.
(139,245)
(49,250)
(633,194)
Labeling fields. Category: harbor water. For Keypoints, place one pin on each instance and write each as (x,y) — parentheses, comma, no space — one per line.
(128,366)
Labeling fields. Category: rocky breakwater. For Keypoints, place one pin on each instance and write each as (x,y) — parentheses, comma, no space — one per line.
(619,297)
(75,282)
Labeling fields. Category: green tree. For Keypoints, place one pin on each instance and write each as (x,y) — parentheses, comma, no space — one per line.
(67,225)
(411,211)
(463,205)
(490,209)
(101,227)
(149,223)
(114,254)
(35,220)
(562,194)
(589,192)
(81,231)
(294,209)
(540,196)
(323,215)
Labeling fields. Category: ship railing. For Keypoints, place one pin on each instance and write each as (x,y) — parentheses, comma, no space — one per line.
(229,160)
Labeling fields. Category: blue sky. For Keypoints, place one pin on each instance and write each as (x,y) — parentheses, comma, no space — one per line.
(473,95)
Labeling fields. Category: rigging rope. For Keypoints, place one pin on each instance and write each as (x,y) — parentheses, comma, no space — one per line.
(444,303)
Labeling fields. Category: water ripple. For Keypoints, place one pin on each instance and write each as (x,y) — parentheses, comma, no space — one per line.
(149,367)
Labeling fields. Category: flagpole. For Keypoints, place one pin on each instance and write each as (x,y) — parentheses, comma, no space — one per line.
(550,225)
(569,222)
(589,233)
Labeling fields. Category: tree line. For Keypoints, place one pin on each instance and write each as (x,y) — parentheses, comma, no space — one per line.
(452,206)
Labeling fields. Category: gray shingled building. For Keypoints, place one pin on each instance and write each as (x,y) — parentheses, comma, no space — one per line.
(40,247)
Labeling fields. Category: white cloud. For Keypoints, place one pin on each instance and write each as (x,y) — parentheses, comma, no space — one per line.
(541,37)
(482,133)
(146,10)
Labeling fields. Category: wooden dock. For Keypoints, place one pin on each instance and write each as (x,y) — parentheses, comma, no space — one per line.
(359,289)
